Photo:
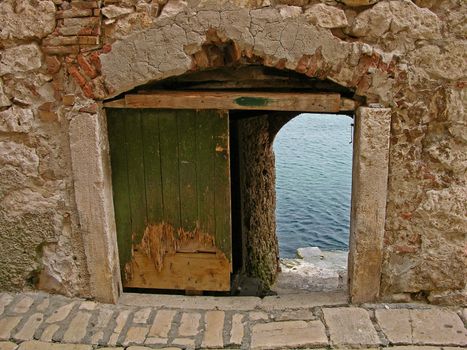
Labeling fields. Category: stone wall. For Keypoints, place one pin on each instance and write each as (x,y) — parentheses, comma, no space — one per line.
(59,59)
(40,241)
(258,199)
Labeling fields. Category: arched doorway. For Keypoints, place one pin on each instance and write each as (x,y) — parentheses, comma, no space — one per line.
(313,154)
(120,75)
(254,119)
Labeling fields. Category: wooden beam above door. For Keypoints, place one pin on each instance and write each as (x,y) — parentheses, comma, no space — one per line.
(271,101)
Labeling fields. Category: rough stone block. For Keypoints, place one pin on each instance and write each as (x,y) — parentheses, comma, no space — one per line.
(22,58)
(397,16)
(113,11)
(21,157)
(26,19)
(85,4)
(326,16)
(4,100)
(74,13)
(16,119)
(356,3)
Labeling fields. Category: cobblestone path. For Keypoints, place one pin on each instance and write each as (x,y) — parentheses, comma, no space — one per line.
(36,321)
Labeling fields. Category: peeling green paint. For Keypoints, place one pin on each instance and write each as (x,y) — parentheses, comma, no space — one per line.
(252,101)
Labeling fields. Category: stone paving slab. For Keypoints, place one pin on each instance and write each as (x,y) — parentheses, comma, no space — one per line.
(395,324)
(38,345)
(7,345)
(431,327)
(351,326)
(33,321)
(288,334)
(437,327)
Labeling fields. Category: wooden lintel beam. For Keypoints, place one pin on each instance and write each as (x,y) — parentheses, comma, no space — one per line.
(276,101)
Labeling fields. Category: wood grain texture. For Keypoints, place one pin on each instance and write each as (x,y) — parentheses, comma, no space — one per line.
(118,157)
(185,271)
(172,196)
(152,165)
(277,101)
(188,169)
(136,181)
(222,182)
(170,167)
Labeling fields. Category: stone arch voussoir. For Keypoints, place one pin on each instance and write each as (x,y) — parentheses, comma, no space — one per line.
(173,48)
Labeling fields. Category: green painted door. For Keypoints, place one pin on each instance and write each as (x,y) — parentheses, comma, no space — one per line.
(171,190)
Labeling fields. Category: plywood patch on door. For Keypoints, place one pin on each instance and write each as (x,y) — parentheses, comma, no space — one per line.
(165,255)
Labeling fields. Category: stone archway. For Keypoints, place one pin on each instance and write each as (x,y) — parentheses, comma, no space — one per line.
(216,37)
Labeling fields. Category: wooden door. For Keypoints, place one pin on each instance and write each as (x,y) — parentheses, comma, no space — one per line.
(171,190)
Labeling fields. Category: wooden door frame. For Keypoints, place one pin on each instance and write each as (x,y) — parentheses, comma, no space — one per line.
(94,199)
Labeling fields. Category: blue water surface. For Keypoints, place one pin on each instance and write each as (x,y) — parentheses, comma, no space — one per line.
(313,182)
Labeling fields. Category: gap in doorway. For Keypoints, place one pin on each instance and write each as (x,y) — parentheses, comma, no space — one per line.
(313,155)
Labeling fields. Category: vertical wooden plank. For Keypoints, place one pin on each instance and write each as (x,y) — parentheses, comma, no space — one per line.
(187,165)
(134,141)
(169,166)
(118,159)
(152,165)
(205,165)
(222,182)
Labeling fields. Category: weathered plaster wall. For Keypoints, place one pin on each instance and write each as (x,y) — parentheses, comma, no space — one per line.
(58,58)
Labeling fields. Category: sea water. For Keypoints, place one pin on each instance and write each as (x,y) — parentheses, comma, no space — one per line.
(313,182)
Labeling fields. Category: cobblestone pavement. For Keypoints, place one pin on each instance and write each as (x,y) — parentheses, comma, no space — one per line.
(36,321)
